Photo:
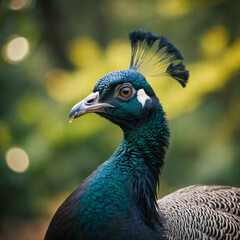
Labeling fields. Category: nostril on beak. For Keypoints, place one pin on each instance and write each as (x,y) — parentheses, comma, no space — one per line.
(92,98)
(90,101)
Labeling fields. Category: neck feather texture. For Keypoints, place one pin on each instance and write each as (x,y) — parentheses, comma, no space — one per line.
(146,148)
(125,185)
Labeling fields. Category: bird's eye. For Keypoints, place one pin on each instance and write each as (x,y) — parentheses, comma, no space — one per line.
(125,92)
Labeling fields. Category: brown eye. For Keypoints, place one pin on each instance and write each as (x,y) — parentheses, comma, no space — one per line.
(125,92)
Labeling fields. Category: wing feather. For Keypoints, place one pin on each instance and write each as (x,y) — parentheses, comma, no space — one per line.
(202,212)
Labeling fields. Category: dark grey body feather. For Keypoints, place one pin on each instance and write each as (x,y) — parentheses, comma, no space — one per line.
(202,212)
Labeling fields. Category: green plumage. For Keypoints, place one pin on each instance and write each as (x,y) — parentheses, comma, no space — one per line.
(119,199)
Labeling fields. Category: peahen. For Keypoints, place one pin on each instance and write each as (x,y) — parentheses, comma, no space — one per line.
(118,200)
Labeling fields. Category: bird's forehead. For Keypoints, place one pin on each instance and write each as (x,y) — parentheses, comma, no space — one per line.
(118,77)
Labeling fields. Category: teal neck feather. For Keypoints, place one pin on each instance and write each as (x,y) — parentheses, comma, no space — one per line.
(150,143)
(129,178)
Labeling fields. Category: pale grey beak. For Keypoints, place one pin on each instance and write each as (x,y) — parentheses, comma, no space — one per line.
(90,104)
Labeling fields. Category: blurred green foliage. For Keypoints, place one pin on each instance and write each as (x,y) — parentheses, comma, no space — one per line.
(68,46)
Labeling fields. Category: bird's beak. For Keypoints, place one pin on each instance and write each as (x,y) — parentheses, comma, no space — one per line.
(90,104)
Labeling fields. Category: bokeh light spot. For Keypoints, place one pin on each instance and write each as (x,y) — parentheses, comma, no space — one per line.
(214,41)
(17,159)
(19,4)
(16,49)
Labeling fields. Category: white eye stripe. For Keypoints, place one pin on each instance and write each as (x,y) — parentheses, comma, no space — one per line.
(142,96)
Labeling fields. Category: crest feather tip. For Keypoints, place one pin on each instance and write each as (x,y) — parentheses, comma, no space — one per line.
(166,59)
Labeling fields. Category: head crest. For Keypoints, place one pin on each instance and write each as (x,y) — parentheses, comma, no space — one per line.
(165,60)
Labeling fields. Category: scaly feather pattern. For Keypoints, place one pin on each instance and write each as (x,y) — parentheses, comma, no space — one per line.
(202,212)
(165,60)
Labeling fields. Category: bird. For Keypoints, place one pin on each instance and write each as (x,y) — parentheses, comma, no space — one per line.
(119,199)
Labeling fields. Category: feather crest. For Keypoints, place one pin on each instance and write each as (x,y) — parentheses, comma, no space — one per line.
(165,60)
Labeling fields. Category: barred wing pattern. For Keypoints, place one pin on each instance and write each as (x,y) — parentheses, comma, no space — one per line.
(202,212)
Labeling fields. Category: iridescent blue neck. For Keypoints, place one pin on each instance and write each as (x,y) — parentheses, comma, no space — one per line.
(124,187)
(138,161)
(147,147)
(150,140)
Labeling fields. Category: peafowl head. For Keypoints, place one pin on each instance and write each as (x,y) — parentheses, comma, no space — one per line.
(125,97)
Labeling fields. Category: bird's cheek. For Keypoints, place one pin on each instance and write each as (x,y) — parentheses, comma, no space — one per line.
(130,110)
